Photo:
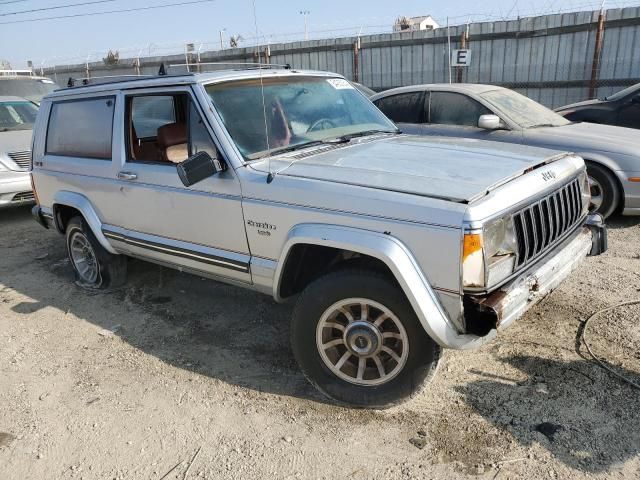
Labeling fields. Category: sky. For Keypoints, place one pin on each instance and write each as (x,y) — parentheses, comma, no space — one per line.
(166,30)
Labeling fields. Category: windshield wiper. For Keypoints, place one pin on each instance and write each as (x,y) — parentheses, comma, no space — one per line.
(366,133)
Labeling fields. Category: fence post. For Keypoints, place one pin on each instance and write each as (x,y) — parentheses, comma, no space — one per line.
(356,60)
(597,56)
(463,46)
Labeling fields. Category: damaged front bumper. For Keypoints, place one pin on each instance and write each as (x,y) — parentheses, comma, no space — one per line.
(505,305)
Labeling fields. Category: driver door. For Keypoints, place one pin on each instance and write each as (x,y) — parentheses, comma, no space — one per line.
(153,215)
(456,115)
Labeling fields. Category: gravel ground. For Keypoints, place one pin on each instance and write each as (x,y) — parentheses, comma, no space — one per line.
(132,383)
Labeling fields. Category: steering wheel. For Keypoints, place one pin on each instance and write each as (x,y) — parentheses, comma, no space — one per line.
(322,124)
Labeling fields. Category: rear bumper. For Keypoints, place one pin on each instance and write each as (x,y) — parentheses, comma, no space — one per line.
(43,218)
(502,307)
(15,189)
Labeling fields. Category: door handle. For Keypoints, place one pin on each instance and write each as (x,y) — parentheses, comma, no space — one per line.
(127,176)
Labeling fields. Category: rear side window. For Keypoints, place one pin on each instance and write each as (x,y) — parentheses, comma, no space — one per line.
(81,128)
(403,108)
(448,108)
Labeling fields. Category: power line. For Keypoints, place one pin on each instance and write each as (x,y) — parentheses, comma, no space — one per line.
(108,12)
(56,7)
(12,1)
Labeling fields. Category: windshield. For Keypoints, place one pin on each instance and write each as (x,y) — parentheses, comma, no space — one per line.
(299,111)
(33,89)
(17,116)
(522,110)
(623,93)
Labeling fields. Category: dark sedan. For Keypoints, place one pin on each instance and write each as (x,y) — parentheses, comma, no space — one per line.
(621,109)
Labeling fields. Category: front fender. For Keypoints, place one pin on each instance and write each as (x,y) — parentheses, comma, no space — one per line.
(84,206)
(402,264)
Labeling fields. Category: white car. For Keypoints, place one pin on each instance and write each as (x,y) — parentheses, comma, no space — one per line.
(17,117)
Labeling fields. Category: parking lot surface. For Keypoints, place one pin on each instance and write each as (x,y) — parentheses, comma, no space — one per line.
(173,373)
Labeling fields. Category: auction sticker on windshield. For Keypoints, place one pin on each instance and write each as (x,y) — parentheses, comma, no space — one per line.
(339,83)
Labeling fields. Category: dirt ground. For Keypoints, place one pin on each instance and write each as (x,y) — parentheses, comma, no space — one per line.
(132,383)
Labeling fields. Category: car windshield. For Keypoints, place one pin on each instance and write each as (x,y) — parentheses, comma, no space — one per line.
(17,116)
(522,110)
(33,89)
(297,111)
(623,93)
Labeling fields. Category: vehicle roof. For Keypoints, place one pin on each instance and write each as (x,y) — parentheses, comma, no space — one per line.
(9,98)
(22,77)
(469,88)
(184,79)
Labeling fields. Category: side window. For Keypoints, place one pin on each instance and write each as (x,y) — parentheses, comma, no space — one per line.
(447,108)
(403,108)
(165,128)
(81,128)
(150,113)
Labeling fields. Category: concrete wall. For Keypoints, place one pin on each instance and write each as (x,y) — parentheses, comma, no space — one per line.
(548,58)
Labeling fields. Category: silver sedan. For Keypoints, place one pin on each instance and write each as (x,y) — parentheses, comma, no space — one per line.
(499,114)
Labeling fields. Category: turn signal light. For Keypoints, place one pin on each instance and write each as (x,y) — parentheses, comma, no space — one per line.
(472,243)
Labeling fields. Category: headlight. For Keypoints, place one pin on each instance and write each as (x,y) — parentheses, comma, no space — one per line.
(489,256)
(585,192)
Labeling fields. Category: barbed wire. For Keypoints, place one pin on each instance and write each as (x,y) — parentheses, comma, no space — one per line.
(382,25)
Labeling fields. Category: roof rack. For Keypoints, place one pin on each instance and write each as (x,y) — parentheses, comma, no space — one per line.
(162,71)
(235,66)
(76,82)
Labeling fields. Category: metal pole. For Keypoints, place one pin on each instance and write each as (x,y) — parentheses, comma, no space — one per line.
(449,49)
(221,39)
(463,46)
(305,13)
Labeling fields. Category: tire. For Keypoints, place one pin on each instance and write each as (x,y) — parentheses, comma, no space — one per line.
(348,288)
(604,188)
(101,269)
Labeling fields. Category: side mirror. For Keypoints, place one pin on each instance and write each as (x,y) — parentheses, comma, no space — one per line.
(490,122)
(198,167)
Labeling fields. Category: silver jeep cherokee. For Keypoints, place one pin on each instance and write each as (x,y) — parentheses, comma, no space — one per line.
(292,183)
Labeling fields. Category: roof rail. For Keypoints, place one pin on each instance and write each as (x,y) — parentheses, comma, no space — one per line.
(235,65)
(81,82)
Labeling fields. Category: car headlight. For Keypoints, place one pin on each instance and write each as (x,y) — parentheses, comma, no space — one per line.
(489,255)
(585,192)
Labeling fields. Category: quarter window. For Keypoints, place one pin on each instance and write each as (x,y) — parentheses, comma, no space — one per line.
(447,108)
(81,128)
(403,108)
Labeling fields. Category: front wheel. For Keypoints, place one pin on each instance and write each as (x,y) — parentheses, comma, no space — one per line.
(358,340)
(605,194)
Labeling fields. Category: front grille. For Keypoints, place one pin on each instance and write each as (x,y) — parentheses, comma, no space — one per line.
(22,159)
(23,197)
(541,225)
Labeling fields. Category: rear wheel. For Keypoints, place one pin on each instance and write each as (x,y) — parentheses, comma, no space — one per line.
(93,266)
(605,194)
(358,340)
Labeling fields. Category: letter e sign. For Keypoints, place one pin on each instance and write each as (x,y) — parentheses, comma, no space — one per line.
(461,58)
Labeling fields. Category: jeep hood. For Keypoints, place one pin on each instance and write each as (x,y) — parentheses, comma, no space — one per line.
(455,169)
